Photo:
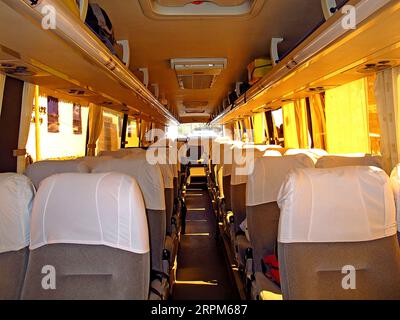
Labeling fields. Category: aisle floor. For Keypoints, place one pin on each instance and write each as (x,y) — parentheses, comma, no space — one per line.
(202,271)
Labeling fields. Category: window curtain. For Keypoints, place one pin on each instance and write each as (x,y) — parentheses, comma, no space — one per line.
(28,95)
(302,123)
(248,129)
(145,126)
(289,126)
(2,84)
(95,127)
(317,110)
(237,133)
(347,118)
(228,131)
(387,88)
(259,128)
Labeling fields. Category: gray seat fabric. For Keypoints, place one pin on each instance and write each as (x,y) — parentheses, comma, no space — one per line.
(263,223)
(242,245)
(333,161)
(226,185)
(238,200)
(169,206)
(88,272)
(12,273)
(41,170)
(314,270)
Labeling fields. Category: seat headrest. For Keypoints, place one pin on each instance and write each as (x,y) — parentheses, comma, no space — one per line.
(314,154)
(243,167)
(149,178)
(334,161)
(92,209)
(345,204)
(395,181)
(269,173)
(39,171)
(16,199)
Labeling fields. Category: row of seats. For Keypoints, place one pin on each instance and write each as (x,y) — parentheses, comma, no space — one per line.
(85,189)
(253,214)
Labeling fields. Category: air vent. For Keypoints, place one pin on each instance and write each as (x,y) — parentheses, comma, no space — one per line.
(195,106)
(77,92)
(18,71)
(198,73)
(374,67)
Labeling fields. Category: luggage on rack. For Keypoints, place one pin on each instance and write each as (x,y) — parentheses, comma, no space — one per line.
(98,20)
(258,69)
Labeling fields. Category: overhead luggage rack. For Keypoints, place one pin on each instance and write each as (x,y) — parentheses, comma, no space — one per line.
(330,57)
(71,53)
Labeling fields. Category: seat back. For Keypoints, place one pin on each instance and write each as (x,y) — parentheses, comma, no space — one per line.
(151,183)
(337,235)
(39,171)
(262,211)
(395,181)
(241,169)
(16,199)
(334,161)
(89,233)
(121,153)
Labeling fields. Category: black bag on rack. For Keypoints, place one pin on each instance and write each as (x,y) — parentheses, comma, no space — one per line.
(98,20)
(244,87)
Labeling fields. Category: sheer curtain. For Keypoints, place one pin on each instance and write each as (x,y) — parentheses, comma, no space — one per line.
(387,88)
(347,118)
(28,96)
(302,123)
(317,108)
(259,123)
(2,84)
(290,127)
(95,127)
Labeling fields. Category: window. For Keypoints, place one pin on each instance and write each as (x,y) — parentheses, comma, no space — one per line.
(110,137)
(132,137)
(59,139)
(52,115)
(277,117)
(77,119)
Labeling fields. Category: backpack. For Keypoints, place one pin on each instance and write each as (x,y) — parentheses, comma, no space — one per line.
(270,267)
(98,20)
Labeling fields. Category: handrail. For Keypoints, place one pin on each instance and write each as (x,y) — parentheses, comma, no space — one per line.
(75,32)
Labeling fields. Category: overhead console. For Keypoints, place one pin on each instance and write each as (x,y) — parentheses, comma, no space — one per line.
(335,54)
(71,60)
(170,9)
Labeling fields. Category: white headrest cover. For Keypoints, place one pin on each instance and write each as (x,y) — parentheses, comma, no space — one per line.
(43,169)
(269,173)
(16,199)
(334,161)
(167,170)
(346,204)
(395,180)
(92,209)
(149,178)
(242,168)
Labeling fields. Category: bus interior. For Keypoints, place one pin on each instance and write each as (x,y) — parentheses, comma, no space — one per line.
(229,150)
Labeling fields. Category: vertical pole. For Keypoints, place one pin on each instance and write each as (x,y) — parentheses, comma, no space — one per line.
(37,124)
(124,129)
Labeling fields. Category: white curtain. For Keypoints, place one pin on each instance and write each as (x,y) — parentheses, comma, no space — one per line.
(95,127)
(2,83)
(387,88)
(28,96)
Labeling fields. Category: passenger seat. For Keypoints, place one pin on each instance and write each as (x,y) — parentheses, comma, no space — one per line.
(262,210)
(16,199)
(337,235)
(40,170)
(89,239)
(395,181)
